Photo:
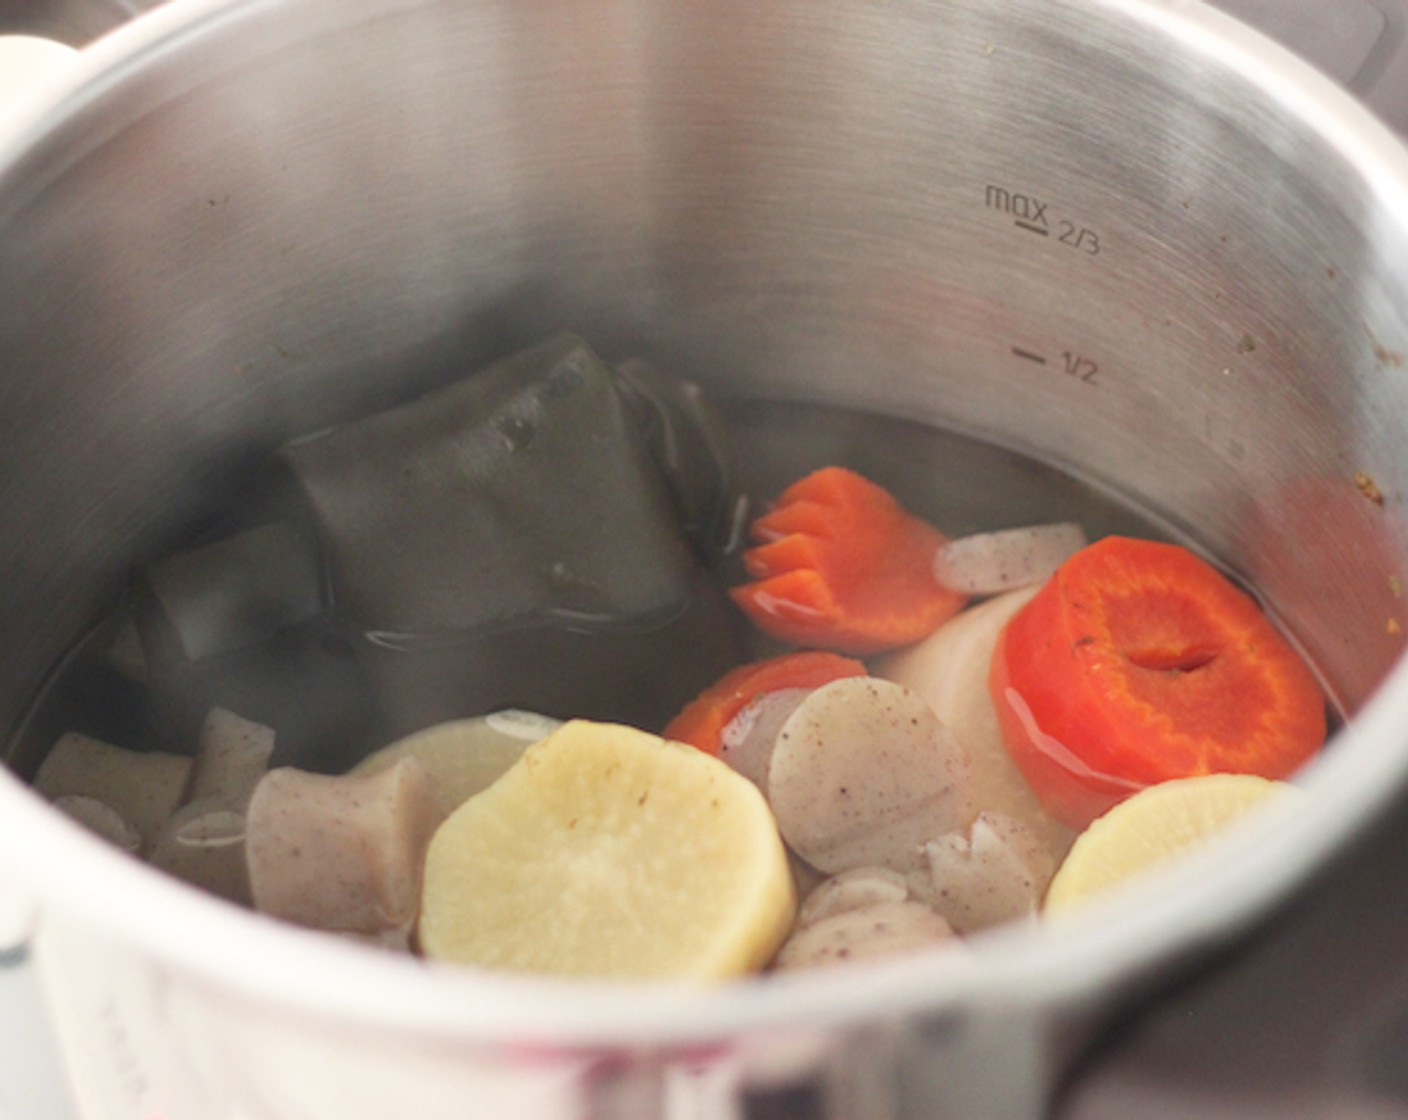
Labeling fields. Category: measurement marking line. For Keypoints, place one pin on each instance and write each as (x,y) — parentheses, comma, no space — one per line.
(1028,355)
(1031,228)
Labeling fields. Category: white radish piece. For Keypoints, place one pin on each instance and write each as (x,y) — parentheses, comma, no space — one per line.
(232,755)
(991,563)
(101,819)
(746,741)
(143,787)
(863,773)
(865,933)
(203,844)
(949,669)
(851,890)
(998,873)
(465,756)
(341,853)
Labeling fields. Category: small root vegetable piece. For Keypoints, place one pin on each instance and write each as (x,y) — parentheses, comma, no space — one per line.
(143,787)
(464,757)
(612,853)
(949,669)
(991,563)
(747,740)
(864,774)
(231,757)
(701,722)
(997,873)
(101,819)
(882,929)
(204,844)
(852,890)
(341,853)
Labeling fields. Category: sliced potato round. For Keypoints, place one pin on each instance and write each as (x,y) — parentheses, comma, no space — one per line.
(863,773)
(949,669)
(465,756)
(1156,825)
(609,852)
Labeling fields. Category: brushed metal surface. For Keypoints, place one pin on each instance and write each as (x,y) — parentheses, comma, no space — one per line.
(1120,236)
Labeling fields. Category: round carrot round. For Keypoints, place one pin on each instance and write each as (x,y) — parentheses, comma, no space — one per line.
(1137,663)
(701,722)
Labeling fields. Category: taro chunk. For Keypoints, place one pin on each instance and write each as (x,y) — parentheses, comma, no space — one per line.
(341,853)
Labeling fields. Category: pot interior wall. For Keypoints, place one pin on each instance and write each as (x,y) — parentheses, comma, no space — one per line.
(1045,224)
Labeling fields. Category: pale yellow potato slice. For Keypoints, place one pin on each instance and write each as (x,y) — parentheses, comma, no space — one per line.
(1153,827)
(465,756)
(609,852)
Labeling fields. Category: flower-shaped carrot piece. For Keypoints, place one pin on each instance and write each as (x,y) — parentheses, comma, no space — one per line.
(1137,663)
(701,722)
(839,564)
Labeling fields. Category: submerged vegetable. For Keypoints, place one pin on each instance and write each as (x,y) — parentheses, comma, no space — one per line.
(142,787)
(703,719)
(839,564)
(1137,663)
(1152,827)
(465,756)
(863,774)
(609,852)
(949,669)
(341,852)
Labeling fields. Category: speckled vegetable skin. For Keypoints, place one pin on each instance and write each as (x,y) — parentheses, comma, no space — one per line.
(997,872)
(880,929)
(144,787)
(203,841)
(863,773)
(341,853)
(949,669)
(701,722)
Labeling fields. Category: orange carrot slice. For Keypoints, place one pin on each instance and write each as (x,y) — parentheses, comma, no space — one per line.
(701,722)
(841,565)
(1137,663)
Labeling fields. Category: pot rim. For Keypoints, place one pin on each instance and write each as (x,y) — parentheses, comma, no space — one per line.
(1207,899)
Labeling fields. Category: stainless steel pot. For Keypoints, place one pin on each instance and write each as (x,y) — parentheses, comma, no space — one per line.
(1128,237)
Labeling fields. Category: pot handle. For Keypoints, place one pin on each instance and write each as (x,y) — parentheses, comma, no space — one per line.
(27,62)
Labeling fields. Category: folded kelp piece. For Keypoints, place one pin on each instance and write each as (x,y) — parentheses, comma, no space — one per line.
(534,535)
(689,442)
(523,494)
